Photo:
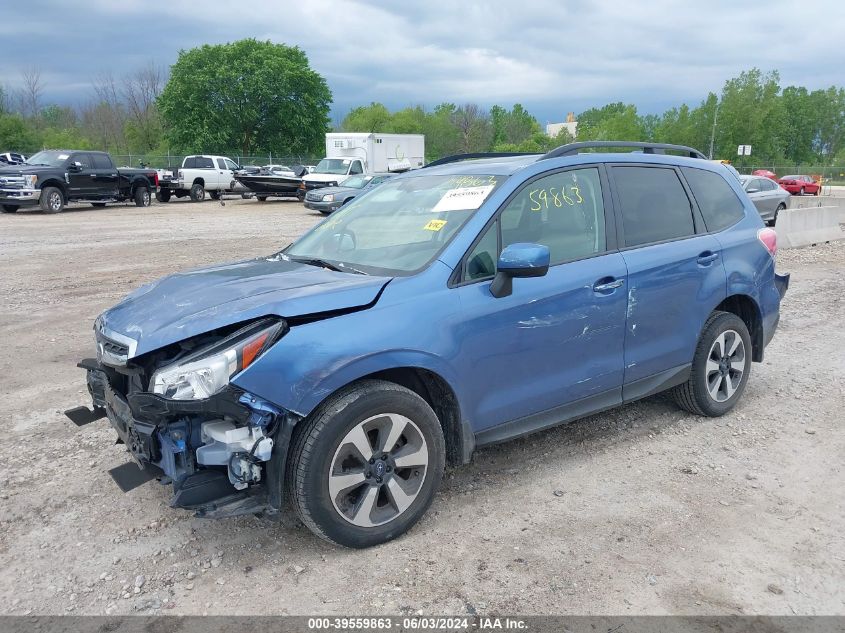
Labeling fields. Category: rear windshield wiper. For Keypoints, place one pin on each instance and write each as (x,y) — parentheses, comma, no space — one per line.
(323,263)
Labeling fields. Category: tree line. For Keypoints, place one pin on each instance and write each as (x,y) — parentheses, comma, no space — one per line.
(250,97)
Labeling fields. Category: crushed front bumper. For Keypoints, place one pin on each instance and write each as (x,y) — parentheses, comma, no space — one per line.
(183,443)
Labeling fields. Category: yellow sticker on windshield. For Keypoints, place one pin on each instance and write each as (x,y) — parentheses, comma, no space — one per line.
(435,225)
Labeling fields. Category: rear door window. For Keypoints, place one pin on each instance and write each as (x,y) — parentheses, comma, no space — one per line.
(655,206)
(190,162)
(101,161)
(204,162)
(720,206)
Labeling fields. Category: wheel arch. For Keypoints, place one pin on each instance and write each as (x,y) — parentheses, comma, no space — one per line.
(428,383)
(58,184)
(746,308)
(198,181)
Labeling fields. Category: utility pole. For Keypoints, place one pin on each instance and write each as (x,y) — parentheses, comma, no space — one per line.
(713,131)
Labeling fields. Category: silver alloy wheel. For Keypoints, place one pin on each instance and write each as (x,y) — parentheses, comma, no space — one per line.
(725,366)
(55,201)
(378,470)
(146,197)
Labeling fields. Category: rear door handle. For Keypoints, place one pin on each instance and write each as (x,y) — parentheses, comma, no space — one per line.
(707,257)
(602,285)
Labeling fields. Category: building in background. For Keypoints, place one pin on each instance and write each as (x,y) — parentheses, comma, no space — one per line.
(571,125)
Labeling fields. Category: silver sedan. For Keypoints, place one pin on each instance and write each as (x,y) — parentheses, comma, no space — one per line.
(767,195)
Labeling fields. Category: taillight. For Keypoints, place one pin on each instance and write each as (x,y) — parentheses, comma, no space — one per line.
(769,239)
(155,178)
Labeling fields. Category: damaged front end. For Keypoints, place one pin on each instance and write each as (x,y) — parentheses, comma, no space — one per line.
(183,423)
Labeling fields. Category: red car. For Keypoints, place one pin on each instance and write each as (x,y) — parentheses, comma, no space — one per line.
(799,185)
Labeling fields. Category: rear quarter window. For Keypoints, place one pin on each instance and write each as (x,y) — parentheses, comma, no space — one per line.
(720,206)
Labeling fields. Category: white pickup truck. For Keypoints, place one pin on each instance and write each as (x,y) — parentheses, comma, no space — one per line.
(198,174)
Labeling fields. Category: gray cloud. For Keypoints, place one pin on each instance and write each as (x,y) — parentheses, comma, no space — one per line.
(551,56)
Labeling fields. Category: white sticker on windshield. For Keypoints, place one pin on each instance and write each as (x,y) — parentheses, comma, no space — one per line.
(463,199)
(63,156)
(346,161)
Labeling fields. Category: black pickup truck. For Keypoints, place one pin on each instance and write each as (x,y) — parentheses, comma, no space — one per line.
(52,178)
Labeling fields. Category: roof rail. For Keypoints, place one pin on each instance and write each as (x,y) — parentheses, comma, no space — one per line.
(459,157)
(572,149)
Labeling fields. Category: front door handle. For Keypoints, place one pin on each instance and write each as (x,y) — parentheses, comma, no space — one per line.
(707,257)
(603,285)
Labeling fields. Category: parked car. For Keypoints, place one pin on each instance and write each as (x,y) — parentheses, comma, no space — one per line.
(330,199)
(12,158)
(52,178)
(767,195)
(799,185)
(197,175)
(765,173)
(453,307)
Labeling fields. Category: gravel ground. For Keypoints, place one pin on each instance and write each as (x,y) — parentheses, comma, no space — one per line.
(642,510)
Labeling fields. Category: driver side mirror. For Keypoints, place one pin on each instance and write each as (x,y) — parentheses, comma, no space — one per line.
(519,260)
(75,167)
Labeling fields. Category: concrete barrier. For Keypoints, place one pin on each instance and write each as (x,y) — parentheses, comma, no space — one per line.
(808,225)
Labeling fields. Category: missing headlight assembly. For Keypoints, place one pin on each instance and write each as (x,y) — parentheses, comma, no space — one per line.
(183,423)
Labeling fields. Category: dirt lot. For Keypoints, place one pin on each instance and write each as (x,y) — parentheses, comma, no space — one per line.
(641,510)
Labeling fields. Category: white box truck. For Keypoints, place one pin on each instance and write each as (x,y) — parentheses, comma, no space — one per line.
(351,153)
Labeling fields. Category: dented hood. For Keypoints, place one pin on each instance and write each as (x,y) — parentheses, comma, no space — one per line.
(190,303)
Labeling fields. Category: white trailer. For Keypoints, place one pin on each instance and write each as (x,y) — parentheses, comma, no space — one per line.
(351,153)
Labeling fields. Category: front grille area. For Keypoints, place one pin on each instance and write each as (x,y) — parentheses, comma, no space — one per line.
(12,182)
(313,197)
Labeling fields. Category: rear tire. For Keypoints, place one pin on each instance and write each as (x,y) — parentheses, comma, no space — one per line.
(355,499)
(261,198)
(801,193)
(215,195)
(142,197)
(720,367)
(52,200)
(99,205)
(10,208)
(197,193)
(774,220)
(163,196)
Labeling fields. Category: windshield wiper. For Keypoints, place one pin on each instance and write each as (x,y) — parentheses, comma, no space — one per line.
(323,263)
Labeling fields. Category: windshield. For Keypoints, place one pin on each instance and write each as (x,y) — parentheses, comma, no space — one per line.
(398,227)
(50,158)
(356,182)
(338,166)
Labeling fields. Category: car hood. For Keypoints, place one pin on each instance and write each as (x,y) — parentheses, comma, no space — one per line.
(315,177)
(17,170)
(189,303)
(339,190)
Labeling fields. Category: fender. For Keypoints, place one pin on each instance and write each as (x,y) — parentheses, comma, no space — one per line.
(303,396)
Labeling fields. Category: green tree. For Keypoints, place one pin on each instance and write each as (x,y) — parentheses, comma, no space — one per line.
(513,126)
(372,118)
(16,134)
(612,122)
(246,95)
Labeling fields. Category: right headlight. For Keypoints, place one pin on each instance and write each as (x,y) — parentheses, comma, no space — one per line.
(208,371)
(328,197)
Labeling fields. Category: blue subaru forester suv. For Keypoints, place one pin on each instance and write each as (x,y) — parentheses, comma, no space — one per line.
(455,306)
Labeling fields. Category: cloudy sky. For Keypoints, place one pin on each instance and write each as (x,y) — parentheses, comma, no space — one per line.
(552,56)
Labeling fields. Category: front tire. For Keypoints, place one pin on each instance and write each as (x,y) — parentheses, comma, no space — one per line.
(774,220)
(801,193)
(10,208)
(261,198)
(720,367)
(365,466)
(98,205)
(52,200)
(163,196)
(197,193)
(215,195)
